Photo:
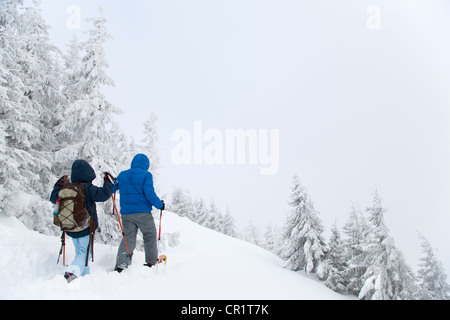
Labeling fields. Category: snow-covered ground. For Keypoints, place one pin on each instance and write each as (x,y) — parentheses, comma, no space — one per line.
(202,264)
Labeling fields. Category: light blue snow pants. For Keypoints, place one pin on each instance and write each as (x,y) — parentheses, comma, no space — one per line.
(78,266)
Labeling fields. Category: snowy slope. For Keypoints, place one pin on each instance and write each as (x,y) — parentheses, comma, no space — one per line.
(202,264)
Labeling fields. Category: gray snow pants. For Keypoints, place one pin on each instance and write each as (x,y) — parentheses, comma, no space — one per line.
(131,223)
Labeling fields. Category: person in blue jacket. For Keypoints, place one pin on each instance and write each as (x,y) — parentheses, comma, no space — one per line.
(82,172)
(137,197)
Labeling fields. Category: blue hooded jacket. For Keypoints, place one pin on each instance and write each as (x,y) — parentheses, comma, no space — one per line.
(82,172)
(137,194)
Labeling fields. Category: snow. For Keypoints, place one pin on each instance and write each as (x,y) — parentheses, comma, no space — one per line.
(202,265)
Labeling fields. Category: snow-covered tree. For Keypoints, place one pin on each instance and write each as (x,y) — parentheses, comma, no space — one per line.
(11,93)
(88,130)
(181,203)
(72,73)
(252,234)
(268,238)
(40,73)
(304,246)
(201,212)
(150,147)
(388,277)
(335,263)
(431,275)
(24,173)
(213,218)
(228,225)
(273,239)
(357,232)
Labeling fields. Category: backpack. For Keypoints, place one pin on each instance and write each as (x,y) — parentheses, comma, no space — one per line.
(72,215)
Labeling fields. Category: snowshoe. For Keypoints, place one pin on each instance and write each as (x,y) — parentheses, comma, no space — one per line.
(69,277)
(120,268)
(161,259)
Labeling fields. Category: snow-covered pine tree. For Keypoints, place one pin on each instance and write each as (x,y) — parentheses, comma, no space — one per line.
(252,234)
(72,73)
(177,200)
(431,275)
(40,72)
(24,162)
(272,239)
(88,130)
(388,277)
(228,225)
(220,222)
(213,217)
(335,263)
(150,146)
(11,93)
(357,232)
(303,244)
(181,203)
(269,238)
(201,212)
(73,94)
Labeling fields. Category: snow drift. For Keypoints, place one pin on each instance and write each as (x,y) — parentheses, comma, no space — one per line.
(202,264)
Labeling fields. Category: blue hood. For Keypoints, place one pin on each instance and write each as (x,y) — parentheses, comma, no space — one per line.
(82,172)
(141,161)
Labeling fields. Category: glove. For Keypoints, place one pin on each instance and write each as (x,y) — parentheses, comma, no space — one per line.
(62,182)
(164,205)
(106,177)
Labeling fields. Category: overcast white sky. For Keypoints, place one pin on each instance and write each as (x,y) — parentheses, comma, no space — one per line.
(356,108)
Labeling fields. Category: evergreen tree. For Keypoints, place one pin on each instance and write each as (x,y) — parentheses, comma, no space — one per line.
(335,263)
(272,239)
(431,275)
(40,72)
(24,173)
(357,233)
(252,234)
(212,221)
(150,146)
(88,129)
(181,203)
(201,212)
(18,121)
(304,246)
(229,228)
(72,73)
(269,238)
(388,277)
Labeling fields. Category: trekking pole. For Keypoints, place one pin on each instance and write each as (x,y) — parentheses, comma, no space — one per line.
(161,258)
(160,218)
(117,213)
(120,223)
(63,249)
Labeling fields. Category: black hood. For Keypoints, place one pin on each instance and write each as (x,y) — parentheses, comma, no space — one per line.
(82,172)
